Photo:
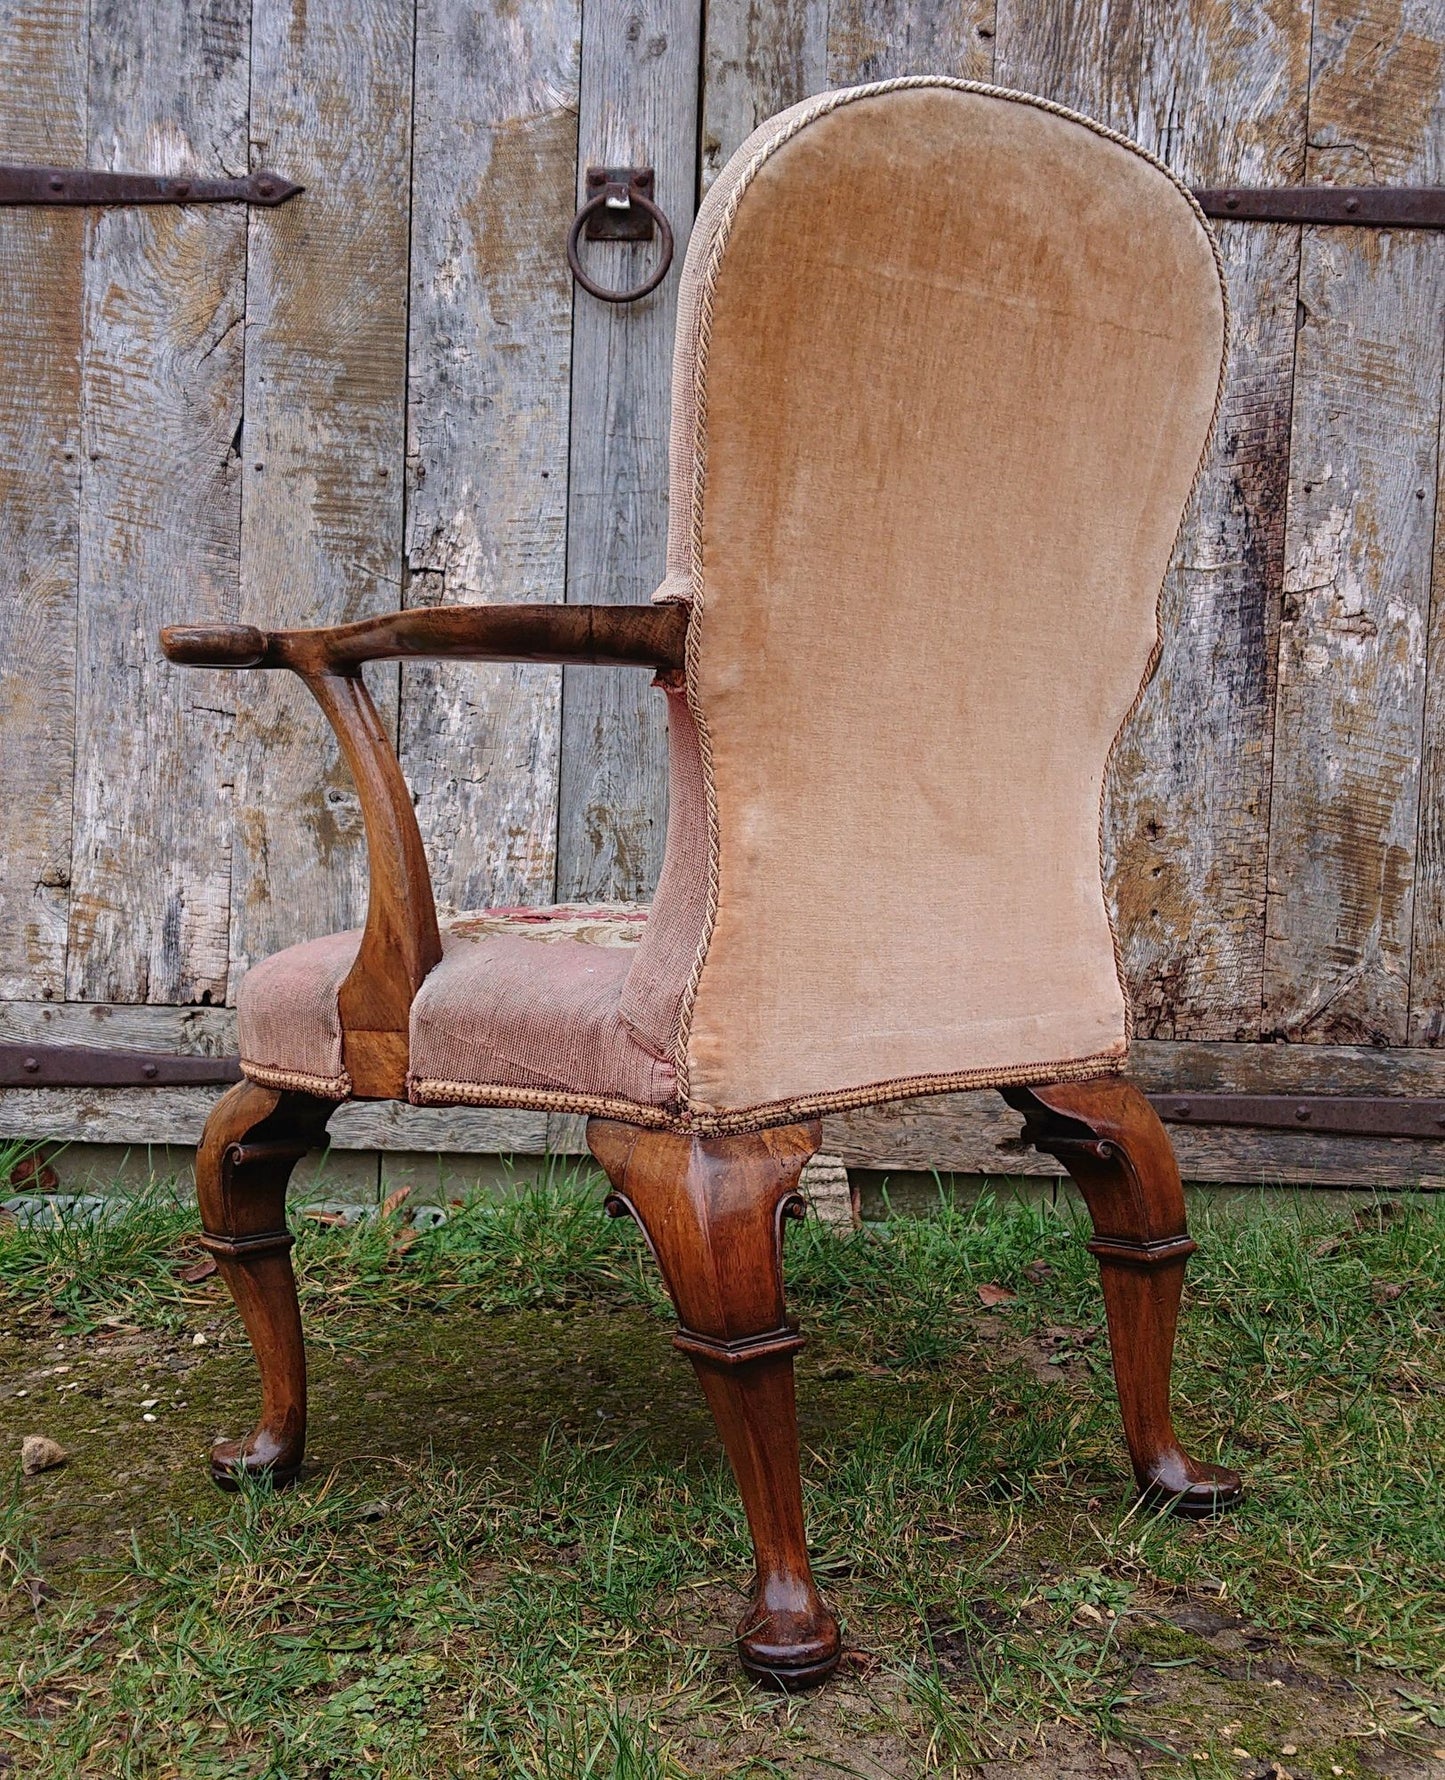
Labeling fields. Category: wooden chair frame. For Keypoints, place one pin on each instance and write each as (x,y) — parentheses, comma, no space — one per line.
(712,1208)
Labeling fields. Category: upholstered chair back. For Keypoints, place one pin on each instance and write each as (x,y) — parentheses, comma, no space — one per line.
(947,361)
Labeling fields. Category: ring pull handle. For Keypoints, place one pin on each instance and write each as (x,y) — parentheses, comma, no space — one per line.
(619,207)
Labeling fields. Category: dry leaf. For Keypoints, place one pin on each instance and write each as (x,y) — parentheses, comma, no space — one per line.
(325,1217)
(1037,1272)
(198,1270)
(33,1175)
(37,1453)
(1385,1291)
(394,1201)
(991,1295)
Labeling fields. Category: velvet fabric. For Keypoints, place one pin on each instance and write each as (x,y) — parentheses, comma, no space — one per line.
(953,357)
(947,361)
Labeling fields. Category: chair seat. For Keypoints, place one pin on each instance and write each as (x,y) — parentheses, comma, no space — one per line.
(523,1000)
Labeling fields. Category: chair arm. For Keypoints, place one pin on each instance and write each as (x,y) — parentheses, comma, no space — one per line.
(401,942)
(612,636)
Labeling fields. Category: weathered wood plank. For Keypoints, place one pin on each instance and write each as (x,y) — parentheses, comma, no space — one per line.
(177,1115)
(757,60)
(42,118)
(1358,543)
(160,510)
(123,1026)
(760,59)
(1427,951)
(323,442)
(490,367)
(1423,74)
(1088,56)
(883,39)
(638,108)
(1222,100)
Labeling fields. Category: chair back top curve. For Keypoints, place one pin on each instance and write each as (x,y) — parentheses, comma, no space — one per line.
(947,363)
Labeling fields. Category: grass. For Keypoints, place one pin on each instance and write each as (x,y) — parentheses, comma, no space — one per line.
(535,1599)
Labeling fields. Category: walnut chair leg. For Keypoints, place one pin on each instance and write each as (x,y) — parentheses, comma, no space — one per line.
(1111,1141)
(253,1139)
(712,1210)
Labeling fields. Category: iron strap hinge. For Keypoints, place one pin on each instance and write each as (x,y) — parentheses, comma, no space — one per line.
(1342,1115)
(94,1066)
(82,185)
(1366,206)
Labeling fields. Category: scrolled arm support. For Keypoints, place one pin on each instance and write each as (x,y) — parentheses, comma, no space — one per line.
(401,942)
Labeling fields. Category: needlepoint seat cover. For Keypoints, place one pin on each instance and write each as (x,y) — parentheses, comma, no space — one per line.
(947,360)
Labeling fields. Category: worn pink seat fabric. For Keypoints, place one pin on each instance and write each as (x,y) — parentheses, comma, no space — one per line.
(530,998)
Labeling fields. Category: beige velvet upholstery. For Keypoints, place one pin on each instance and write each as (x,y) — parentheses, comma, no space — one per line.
(947,361)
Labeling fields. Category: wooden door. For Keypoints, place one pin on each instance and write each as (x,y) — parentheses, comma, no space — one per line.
(389,392)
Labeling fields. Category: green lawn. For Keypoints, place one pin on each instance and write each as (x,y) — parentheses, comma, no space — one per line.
(516,1551)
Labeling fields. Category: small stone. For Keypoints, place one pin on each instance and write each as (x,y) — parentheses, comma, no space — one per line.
(37,1454)
(1243,1754)
(148,1418)
(1289,1748)
(825,1186)
(149,1402)
(198,1340)
(22,1393)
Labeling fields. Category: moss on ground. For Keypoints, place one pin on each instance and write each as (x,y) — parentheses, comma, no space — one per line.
(515,1550)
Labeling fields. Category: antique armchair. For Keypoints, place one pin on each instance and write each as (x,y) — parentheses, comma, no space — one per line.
(947,360)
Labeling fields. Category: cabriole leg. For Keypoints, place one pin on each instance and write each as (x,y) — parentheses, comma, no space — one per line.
(253,1139)
(712,1210)
(1111,1141)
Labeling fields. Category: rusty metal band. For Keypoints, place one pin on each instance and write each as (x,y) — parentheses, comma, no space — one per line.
(91,1066)
(1342,1115)
(1361,206)
(85,185)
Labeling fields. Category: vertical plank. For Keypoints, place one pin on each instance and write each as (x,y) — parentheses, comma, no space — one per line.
(638,108)
(1222,100)
(758,60)
(1088,56)
(494,163)
(42,118)
(1427,953)
(149,910)
(323,445)
(1358,543)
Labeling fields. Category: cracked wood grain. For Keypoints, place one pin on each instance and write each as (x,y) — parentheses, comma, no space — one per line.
(638,108)
(160,498)
(760,59)
(489,395)
(42,119)
(1363,479)
(323,442)
(1222,100)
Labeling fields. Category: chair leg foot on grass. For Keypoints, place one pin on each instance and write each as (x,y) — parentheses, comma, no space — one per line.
(712,1210)
(253,1139)
(1110,1139)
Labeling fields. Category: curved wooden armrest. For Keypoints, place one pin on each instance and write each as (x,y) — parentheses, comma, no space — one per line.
(401,942)
(612,636)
